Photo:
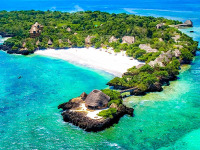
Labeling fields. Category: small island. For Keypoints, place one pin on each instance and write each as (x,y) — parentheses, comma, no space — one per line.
(96,111)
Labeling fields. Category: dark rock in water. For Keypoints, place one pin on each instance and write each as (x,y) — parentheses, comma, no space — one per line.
(157,87)
(68,105)
(191,31)
(81,120)
(138,92)
(22,52)
(10,51)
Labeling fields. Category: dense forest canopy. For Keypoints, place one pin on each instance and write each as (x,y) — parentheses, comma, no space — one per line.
(162,48)
(102,25)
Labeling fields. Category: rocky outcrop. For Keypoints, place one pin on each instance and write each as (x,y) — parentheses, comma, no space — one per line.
(81,120)
(156,87)
(10,51)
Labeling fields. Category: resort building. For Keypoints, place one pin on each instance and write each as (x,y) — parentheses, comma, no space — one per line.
(97,100)
(128,39)
(88,40)
(69,29)
(187,23)
(36,30)
(158,26)
(113,39)
(50,42)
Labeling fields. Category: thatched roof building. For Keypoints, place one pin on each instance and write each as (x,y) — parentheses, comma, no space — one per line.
(189,23)
(37,43)
(97,100)
(83,95)
(164,58)
(128,39)
(158,26)
(88,39)
(147,48)
(176,37)
(50,42)
(36,30)
(69,29)
(113,39)
(24,45)
(60,41)
(68,41)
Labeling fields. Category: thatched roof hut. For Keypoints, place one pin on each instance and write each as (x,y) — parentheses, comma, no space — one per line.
(50,42)
(69,29)
(83,95)
(88,39)
(24,45)
(60,41)
(189,23)
(176,37)
(97,100)
(35,30)
(158,26)
(139,66)
(128,39)
(164,58)
(147,48)
(113,39)
(37,43)
(68,41)
(177,53)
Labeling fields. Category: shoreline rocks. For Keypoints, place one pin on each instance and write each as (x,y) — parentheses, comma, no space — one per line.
(4,34)
(9,51)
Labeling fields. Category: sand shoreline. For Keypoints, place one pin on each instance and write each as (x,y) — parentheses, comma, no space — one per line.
(100,59)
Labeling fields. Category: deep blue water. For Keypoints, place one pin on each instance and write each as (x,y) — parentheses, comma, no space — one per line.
(28,106)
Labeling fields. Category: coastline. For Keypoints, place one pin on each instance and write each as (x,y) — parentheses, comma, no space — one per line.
(100,59)
(170,124)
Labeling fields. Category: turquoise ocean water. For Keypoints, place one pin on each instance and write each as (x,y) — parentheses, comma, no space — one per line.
(28,106)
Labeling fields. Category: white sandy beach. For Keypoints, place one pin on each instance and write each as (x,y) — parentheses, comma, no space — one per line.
(112,63)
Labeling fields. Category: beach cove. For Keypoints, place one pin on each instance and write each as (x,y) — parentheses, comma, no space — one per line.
(166,120)
(100,59)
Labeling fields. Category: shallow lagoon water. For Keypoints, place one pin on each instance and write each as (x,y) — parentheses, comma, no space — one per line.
(28,106)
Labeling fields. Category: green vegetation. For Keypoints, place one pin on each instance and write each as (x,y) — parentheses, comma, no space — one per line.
(107,113)
(146,76)
(101,26)
(115,96)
